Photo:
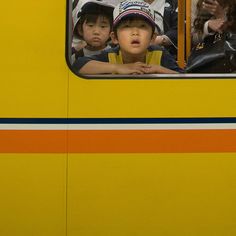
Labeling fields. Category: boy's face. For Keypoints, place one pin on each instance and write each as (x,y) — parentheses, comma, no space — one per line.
(134,36)
(96,33)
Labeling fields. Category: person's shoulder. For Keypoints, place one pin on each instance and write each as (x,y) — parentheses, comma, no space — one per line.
(114,49)
(104,54)
(79,53)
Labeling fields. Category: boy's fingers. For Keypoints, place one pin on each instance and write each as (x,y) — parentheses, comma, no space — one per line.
(142,64)
(145,66)
(138,72)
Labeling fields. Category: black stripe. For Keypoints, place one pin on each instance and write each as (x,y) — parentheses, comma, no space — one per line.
(117,120)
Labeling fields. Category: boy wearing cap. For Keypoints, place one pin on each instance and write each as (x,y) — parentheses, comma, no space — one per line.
(133,30)
(92,23)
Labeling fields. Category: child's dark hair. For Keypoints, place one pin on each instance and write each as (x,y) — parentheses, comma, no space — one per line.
(91,14)
(130,19)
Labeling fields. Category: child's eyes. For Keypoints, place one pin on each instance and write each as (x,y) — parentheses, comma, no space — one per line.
(104,26)
(90,24)
(143,26)
(139,26)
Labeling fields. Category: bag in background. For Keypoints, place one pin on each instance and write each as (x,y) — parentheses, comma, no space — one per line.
(217,54)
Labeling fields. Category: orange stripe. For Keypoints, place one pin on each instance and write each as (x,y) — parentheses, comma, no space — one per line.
(148,141)
(33,141)
(117,141)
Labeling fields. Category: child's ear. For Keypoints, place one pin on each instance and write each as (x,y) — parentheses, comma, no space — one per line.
(113,38)
(154,35)
(79,31)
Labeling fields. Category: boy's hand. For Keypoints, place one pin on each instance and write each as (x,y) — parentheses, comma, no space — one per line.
(155,69)
(131,68)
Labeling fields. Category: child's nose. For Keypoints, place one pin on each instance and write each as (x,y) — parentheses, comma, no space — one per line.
(135,31)
(96,30)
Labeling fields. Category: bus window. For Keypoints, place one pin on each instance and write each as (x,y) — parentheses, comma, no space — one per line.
(110,38)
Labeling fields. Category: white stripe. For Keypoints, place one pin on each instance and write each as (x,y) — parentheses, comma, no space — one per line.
(33,126)
(116,126)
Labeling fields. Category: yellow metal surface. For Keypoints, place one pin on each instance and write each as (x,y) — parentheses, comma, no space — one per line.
(32,194)
(152,194)
(33,69)
(34,77)
(107,194)
(152,98)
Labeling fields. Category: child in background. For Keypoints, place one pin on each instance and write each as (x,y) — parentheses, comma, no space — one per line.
(92,23)
(133,29)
